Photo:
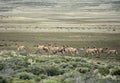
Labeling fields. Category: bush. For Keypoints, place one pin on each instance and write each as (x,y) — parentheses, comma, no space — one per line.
(37,79)
(1,66)
(16,63)
(42,76)
(104,71)
(70,66)
(115,72)
(25,76)
(53,71)
(63,65)
(71,74)
(36,70)
(110,66)
(83,70)
(74,64)
(5,79)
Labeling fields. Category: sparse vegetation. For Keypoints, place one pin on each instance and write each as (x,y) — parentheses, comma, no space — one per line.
(28,67)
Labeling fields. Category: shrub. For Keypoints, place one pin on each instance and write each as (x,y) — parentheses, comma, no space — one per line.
(5,79)
(53,71)
(83,70)
(95,67)
(104,71)
(36,70)
(58,61)
(63,65)
(110,66)
(16,63)
(1,66)
(74,64)
(85,65)
(71,74)
(25,76)
(42,76)
(115,72)
(37,79)
(70,66)
(98,63)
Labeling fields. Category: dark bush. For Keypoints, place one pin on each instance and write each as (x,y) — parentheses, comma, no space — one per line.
(70,66)
(63,65)
(5,79)
(110,66)
(37,79)
(83,70)
(36,70)
(95,67)
(74,65)
(42,76)
(104,71)
(115,72)
(16,63)
(25,76)
(1,66)
(53,71)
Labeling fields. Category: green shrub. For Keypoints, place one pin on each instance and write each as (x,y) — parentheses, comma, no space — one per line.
(5,79)
(71,74)
(96,67)
(40,60)
(37,79)
(115,72)
(42,76)
(83,70)
(85,65)
(110,66)
(58,61)
(36,70)
(98,62)
(104,71)
(25,76)
(63,65)
(80,60)
(53,71)
(70,66)
(74,64)
(1,66)
(16,63)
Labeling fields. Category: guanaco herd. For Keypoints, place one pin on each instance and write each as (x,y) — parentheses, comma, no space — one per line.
(53,49)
